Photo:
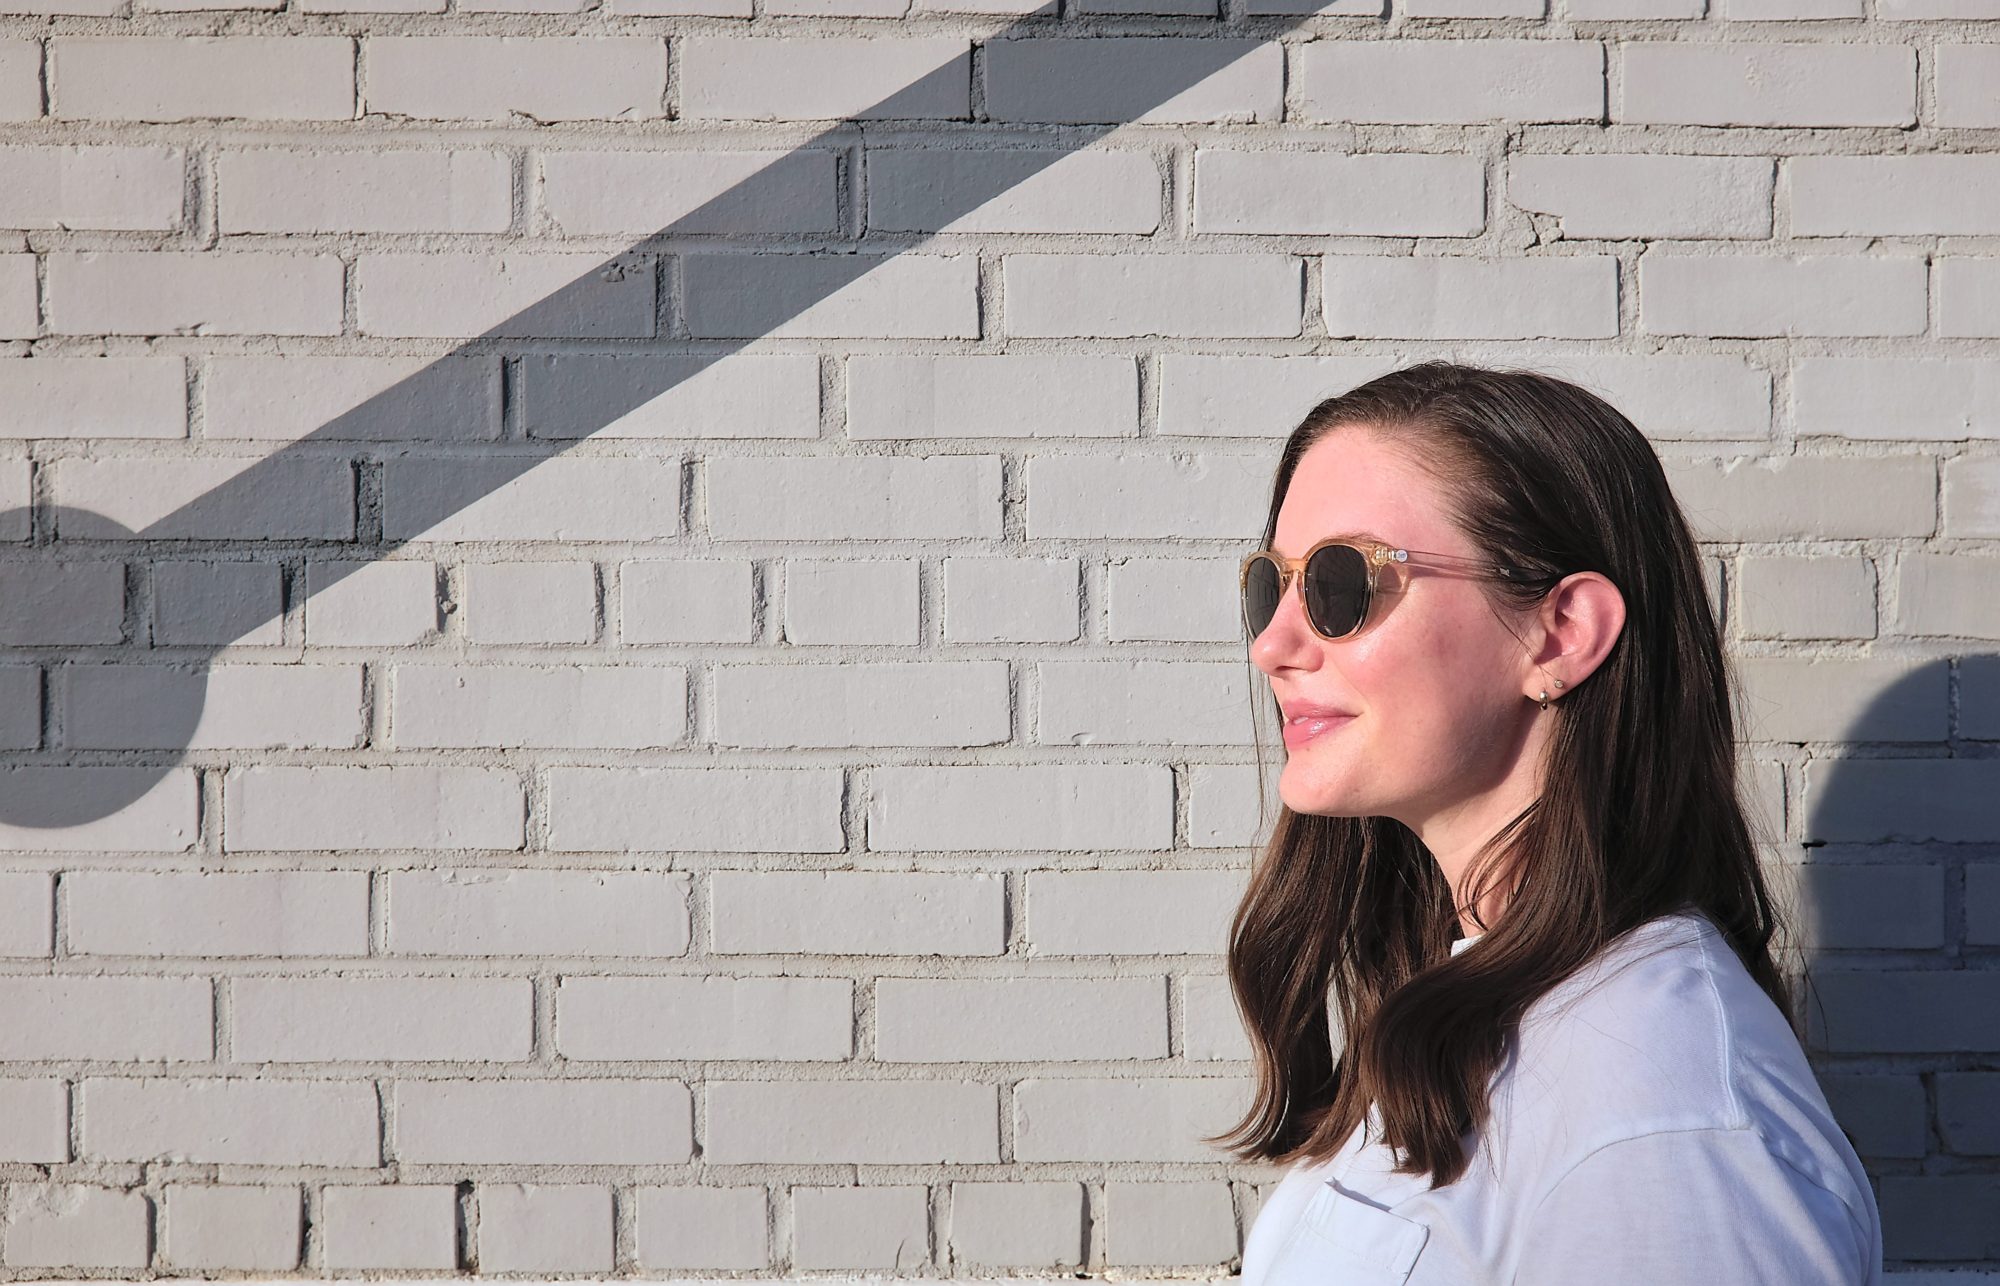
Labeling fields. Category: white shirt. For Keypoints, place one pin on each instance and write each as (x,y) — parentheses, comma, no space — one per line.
(1655,1122)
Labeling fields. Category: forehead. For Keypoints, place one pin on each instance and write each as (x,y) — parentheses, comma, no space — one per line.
(1352,484)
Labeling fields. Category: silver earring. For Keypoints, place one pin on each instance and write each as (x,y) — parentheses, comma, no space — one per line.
(1559,684)
(1544,698)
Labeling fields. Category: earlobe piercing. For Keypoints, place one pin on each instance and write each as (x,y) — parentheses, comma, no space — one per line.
(1559,684)
(1544,698)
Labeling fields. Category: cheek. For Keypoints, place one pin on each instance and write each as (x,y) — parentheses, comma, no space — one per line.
(1438,694)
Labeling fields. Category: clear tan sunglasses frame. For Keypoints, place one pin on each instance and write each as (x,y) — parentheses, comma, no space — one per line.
(1376,556)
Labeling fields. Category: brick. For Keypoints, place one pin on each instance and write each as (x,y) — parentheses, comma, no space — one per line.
(544,1227)
(20,80)
(553,1122)
(856,913)
(27,916)
(1898,399)
(1782,10)
(19,316)
(707,1017)
(859,498)
(1210,296)
(1753,295)
(582,395)
(1023,1223)
(1739,83)
(76,1225)
(1969,1112)
(287,914)
(992,397)
(231,1226)
(182,78)
(680,8)
(537,79)
(1133,702)
(700,1227)
(851,601)
(711,810)
(121,1016)
(1603,196)
(1806,598)
(241,499)
(1012,190)
(1205,496)
(1802,496)
(1979,697)
(283,190)
(853,703)
(1252,396)
(512,294)
(1949,595)
(1938,1216)
(1222,805)
(34,1120)
(1972,496)
(1871,800)
(1966,76)
(298,809)
(367,399)
(20,707)
(1327,193)
(457,499)
(1873,906)
(1130,912)
(381,604)
(248,707)
(193,292)
(1169,1223)
(1012,807)
(529,912)
(872,1227)
(1969,297)
(389,1225)
(1924,10)
(1173,599)
(1674,397)
(109,188)
(570,707)
(1835,196)
(903,1122)
(1800,699)
(813,296)
(1906,1011)
(1460,297)
(685,601)
(218,603)
(530,603)
(1885,1115)
(825,78)
(686,191)
(1627,10)
(1211,1026)
(381,1019)
(1137,79)
(1010,600)
(1422,82)
(977,1020)
(1131,1119)
(83,810)
(229,1121)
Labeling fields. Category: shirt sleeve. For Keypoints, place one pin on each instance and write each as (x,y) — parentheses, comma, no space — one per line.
(1708,1207)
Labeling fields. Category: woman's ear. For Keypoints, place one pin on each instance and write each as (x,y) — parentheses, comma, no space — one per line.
(1579,619)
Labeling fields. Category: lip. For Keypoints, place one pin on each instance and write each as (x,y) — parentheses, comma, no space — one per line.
(1306,721)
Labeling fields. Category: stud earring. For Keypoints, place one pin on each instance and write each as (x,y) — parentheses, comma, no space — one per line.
(1559,684)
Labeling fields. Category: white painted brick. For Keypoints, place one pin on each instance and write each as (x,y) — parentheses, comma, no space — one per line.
(181,78)
(1174,599)
(554,1122)
(231,1226)
(194,292)
(825,78)
(685,601)
(1023,1223)
(122,1016)
(82,810)
(1131,1119)
(217,913)
(852,703)
(27,922)
(1949,595)
(380,1019)
(1924,10)
(20,80)
(576,296)
(1211,296)
(1010,807)
(389,1225)
(1144,80)
(530,603)
(1214,396)
(1904,399)
(715,810)
(1782,10)
(534,79)
(1805,598)
(526,912)
(544,1227)
(1168,1223)
(851,600)
(735,396)
(109,188)
(62,602)
(284,190)
(375,399)
(853,498)
(1209,496)
(1674,396)
(681,8)
(1460,297)
(1628,10)
(225,603)
(1476,8)
(75,1225)
(884,1227)
(741,193)
(240,498)
(1835,196)
(248,707)
(1758,295)
(295,809)
(1646,196)
(1798,699)
(34,1120)
(705,1018)
(1028,396)
(459,499)
(572,707)
(700,1227)
(20,317)
(908,296)
(386,604)
(1740,83)
(1452,81)
(978,1020)
(229,1121)
(1972,496)
(1211,1027)
(20,707)
(1330,193)
(1010,600)
(1012,190)
(856,913)
(902,1122)
(1967,76)
(1969,297)
(1821,497)
(1082,913)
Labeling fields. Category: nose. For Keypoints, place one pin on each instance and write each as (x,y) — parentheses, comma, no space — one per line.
(1288,642)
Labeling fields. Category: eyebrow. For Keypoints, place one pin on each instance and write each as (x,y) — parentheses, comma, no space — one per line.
(1358,537)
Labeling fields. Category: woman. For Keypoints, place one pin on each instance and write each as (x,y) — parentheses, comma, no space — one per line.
(1506,713)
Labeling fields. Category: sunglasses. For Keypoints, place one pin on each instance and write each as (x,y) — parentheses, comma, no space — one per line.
(1340,582)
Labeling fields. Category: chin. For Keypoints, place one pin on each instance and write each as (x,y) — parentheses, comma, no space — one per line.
(1304,793)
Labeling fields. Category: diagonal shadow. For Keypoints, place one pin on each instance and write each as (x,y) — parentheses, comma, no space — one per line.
(751,294)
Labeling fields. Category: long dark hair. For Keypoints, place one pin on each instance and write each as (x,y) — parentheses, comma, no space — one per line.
(1640,815)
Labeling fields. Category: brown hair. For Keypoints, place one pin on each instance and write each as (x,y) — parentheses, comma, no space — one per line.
(1640,816)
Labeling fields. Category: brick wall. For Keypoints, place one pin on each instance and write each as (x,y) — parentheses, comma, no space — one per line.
(545,726)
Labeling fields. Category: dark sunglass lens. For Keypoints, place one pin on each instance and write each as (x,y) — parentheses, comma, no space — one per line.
(1260,595)
(1337,589)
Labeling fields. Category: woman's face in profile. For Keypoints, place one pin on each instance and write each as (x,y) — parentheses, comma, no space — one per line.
(1436,685)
